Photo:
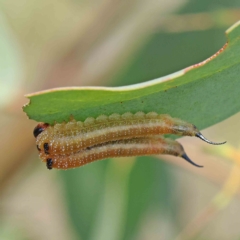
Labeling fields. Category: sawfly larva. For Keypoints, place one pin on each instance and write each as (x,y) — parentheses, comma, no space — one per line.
(76,139)
(121,148)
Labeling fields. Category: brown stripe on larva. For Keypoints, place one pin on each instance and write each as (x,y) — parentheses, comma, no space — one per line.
(73,144)
(71,137)
(122,148)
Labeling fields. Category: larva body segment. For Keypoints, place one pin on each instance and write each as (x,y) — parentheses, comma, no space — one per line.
(67,138)
(122,148)
(76,143)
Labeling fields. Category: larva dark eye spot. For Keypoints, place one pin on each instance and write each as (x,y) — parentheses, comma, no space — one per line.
(39,128)
(49,163)
(46,148)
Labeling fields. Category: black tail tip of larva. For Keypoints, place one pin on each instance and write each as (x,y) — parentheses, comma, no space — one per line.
(199,135)
(184,156)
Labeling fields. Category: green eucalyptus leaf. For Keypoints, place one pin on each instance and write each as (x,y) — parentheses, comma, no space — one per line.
(203,94)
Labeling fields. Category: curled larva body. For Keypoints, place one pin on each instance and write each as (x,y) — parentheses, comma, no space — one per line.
(122,148)
(69,138)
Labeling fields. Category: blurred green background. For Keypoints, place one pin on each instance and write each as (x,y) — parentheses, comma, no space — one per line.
(46,44)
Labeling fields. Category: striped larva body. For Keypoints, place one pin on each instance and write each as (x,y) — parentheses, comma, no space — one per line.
(121,148)
(70,137)
(74,142)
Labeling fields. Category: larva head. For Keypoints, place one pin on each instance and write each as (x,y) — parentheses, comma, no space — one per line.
(37,134)
(39,128)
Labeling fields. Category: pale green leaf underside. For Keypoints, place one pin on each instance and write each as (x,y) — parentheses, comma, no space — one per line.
(204,94)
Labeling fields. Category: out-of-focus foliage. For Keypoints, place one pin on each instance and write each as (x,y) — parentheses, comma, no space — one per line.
(10,64)
(108,43)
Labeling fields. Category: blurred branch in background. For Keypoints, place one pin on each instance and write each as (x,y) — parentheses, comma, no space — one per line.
(55,43)
(116,186)
(221,18)
(230,188)
(33,207)
(67,43)
(112,41)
